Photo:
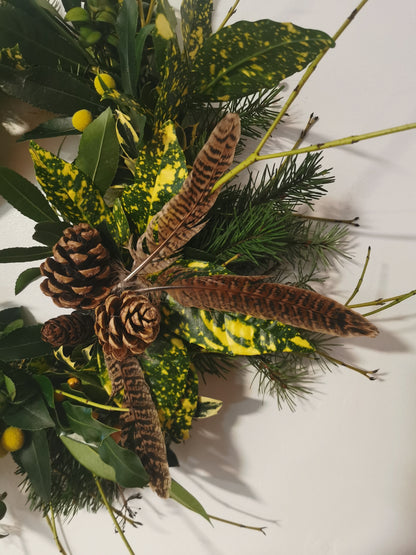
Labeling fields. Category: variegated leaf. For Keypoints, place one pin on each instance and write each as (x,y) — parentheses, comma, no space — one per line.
(12,57)
(196,24)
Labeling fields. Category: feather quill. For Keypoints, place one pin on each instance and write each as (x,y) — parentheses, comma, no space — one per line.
(141,421)
(181,218)
(253,296)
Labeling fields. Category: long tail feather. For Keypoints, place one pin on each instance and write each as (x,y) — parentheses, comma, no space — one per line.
(272,301)
(180,219)
(141,421)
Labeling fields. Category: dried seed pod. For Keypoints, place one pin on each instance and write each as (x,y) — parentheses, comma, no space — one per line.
(126,324)
(68,329)
(79,275)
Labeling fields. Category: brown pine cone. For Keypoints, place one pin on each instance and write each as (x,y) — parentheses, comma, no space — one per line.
(79,275)
(126,324)
(68,329)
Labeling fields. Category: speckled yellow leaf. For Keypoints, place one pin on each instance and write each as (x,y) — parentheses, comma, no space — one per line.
(196,24)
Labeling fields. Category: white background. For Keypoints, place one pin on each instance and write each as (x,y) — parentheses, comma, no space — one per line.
(338,476)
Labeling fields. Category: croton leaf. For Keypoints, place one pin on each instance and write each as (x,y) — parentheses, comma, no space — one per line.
(98,153)
(121,223)
(232,334)
(68,189)
(25,278)
(166,365)
(207,407)
(164,32)
(49,89)
(160,173)
(12,57)
(24,196)
(34,458)
(196,24)
(248,56)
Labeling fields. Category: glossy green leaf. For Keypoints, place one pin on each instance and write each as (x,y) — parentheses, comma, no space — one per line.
(160,173)
(56,127)
(82,423)
(25,196)
(49,233)
(98,154)
(248,56)
(47,389)
(10,315)
(34,458)
(24,343)
(49,89)
(31,415)
(24,254)
(140,40)
(196,24)
(68,189)
(89,457)
(26,278)
(182,496)
(207,407)
(126,26)
(166,365)
(127,465)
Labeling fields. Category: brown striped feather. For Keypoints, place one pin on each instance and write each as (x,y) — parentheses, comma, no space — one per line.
(253,296)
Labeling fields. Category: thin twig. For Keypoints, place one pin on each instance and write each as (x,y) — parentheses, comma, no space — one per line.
(386,303)
(141,13)
(150,12)
(360,281)
(230,13)
(113,518)
(311,121)
(90,403)
(367,373)
(52,525)
(256,528)
(352,221)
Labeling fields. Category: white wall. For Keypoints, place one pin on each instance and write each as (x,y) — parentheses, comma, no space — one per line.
(338,476)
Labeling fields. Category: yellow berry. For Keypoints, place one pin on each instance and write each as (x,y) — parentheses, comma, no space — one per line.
(103,82)
(81,119)
(12,439)
(74,383)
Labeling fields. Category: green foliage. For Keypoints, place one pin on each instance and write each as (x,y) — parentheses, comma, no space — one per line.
(127,465)
(88,457)
(82,423)
(196,25)
(248,56)
(126,27)
(34,459)
(56,127)
(182,496)
(23,343)
(24,254)
(25,278)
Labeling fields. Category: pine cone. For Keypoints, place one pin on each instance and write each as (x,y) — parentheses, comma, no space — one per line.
(126,324)
(68,329)
(79,275)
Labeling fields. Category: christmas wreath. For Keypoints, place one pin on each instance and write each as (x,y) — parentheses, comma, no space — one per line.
(172,263)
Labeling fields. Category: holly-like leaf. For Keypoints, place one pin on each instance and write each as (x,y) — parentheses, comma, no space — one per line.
(127,465)
(232,334)
(248,56)
(207,407)
(98,153)
(88,457)
(182,496)
(31,415)
(68,189)
(26,278)
(34,458)
(126,26)
(49,89)
(24,343)
(24,196)
(196,24)
(82,423)
(160,173)
(23,254)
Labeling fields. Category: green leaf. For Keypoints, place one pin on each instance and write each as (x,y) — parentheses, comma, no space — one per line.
(25,278)
(68,189)
(248,56)
(196,24)
(10,387)
(15,325)
(126,26)
(31,415)
(182,496)
(164,32)
(24,343)
(47,389)
(88,457)
(56,127)
(24,254)
(98,153)
(127,465)
(53,90)
(49,233)
(9,315)
(160,173)
(34,458)
(207,407)
(24,196)
(140,40)
(82,423)
(173,384)
(121,223)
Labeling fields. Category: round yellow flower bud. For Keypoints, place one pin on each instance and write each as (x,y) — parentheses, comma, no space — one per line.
(12,439)
(103,82)
(81,119)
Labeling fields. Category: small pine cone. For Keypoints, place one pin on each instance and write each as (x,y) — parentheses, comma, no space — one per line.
(68,329)
(79,275)
(126,324)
